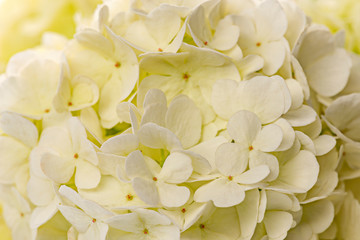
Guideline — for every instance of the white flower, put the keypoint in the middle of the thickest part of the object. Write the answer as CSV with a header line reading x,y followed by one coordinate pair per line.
x,y
32,89
316,218
268,98
347,128
262,33
17,213
210,28
116,70
21,136
191,72
220,222
62,149
160,30
145,224
155,184
89,221
327,66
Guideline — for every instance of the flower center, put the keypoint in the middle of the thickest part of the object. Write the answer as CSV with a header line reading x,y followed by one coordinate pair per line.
x,y
251,148
186,76
94,220
155,179
258,44
70,104
76,156
206,43
183,210
117,64
146,231
230,178
160,49
47,110
129,197
201,226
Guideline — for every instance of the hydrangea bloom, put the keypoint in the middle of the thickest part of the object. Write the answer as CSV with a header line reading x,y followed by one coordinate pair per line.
x,y
162,119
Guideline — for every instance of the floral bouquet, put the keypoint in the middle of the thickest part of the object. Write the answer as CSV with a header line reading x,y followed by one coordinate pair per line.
x,y
192,119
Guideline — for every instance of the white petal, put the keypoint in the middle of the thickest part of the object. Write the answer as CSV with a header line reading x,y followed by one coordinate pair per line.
x,y
155,113
319,215
273,54
329,75
277,223
207,149
261,95
40,190
177,168
76,217
151,217
324,144
222,192
184,119
247,212
146,190
171,195
301,116
253,175
135,165
269,138
243,127
154,136
231,159
128,222
297,94
344,115
121,145
20,128
87,175
258,158
300,173
96,231
56,168
289,134
270,20
13,155
41,215
166,232
222,98
226,35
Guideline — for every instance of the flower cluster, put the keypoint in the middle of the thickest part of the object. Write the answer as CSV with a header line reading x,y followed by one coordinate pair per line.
x,y
161,119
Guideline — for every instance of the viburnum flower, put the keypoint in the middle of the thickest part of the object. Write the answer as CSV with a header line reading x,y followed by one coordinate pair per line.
x,y
162,119
67,148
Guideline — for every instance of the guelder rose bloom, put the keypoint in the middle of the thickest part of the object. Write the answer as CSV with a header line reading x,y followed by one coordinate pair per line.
x,y
162,119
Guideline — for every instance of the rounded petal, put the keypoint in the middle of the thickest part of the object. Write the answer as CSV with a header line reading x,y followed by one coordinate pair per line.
x,y
146,190
301,116
343,113
253,175
184,119
231,159
222,192
299,174
171,195
177,168
56,168
121,145
154,136
324,144
258,158
86,175
243,127
269,138
20,128
277,223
